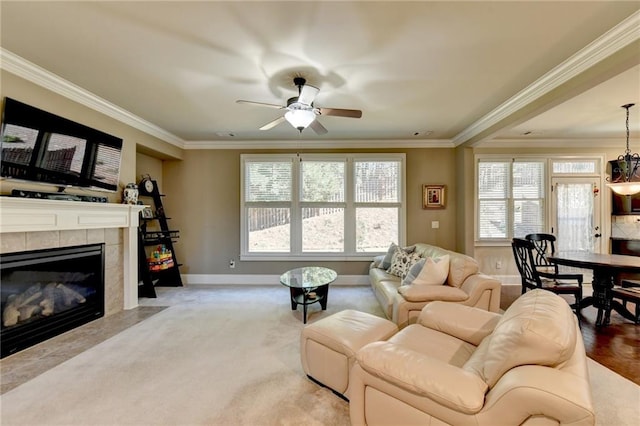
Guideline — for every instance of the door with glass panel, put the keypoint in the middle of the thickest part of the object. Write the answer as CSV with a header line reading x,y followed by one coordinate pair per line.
x,y
575,216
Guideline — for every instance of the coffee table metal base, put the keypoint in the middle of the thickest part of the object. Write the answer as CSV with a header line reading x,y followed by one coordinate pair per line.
x,y
308,285
308,296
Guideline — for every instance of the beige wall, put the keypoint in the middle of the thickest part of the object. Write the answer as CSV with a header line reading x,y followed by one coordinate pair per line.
x,y
148,165
32,94
203,199
465,203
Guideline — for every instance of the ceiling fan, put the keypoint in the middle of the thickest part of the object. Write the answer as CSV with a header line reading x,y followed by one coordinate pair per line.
x,y
301,113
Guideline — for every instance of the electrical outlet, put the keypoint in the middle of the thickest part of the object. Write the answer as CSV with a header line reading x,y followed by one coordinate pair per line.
x,y
499,264
435,224
232,264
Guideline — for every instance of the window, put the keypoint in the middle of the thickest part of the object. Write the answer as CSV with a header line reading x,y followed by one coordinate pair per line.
x,y
511,198
575,167
267,195
321,206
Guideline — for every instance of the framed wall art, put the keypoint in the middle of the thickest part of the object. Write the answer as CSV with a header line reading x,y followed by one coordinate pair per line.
x,y
433,196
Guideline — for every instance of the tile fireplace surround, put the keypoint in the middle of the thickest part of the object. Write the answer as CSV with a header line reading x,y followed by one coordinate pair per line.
x,y
30,224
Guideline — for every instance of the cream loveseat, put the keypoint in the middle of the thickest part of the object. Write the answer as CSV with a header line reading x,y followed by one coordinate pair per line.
x,y
465,366
463,284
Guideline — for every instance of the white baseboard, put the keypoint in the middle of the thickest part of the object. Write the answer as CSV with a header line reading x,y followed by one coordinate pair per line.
x,y
508,279
515,279
253,279
232,279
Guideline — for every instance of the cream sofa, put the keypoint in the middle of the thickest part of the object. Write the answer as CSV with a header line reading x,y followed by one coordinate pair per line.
x,y
465,366
464,285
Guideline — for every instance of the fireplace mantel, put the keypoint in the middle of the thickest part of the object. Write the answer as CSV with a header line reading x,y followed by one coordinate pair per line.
x,y
33,215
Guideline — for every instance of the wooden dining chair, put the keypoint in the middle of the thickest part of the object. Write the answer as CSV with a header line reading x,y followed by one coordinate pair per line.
x,y
544,245
532,277
627,293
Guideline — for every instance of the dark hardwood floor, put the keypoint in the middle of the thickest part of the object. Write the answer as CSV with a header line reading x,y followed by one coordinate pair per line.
x,y
616,346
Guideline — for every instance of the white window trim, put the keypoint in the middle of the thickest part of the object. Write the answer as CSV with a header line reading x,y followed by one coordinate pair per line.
x,y
599,159
349,159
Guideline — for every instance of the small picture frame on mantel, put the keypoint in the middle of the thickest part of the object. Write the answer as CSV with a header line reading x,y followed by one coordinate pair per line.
x,y
433,196
147,213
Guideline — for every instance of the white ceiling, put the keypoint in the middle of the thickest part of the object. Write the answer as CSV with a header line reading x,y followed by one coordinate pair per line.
x,y
452,72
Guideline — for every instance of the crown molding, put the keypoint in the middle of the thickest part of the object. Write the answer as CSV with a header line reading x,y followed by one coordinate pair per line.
x,y
319,144
19,66
578,143
620,36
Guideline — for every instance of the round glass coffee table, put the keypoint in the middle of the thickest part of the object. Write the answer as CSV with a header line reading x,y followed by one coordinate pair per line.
x,y
307,285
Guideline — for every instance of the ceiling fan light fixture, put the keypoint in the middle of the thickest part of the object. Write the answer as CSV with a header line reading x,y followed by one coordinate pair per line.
x,y
627,166
301,112
300,118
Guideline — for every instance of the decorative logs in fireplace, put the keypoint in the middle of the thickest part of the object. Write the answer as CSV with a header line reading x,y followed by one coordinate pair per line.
x,y
39,299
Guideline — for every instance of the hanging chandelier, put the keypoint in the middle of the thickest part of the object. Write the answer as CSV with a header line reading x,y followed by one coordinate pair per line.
x,y
626,168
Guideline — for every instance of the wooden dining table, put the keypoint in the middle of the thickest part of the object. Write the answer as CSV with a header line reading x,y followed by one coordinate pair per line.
x,y
606,268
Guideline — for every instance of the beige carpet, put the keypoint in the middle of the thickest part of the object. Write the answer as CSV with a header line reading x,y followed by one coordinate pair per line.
x,y
220,356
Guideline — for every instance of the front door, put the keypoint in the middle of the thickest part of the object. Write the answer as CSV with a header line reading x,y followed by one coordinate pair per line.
x,y
575,218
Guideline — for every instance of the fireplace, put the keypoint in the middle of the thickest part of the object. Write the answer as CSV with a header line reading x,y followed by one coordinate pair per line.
x,y
47,292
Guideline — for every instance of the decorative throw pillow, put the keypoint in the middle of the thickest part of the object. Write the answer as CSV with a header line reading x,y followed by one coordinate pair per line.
x,y
377,261
386,261
428,271
401,262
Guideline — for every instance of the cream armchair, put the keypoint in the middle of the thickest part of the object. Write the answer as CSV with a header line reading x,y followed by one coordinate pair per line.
x,y
461,365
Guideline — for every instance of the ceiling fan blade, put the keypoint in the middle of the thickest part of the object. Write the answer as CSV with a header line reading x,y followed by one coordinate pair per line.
x,y
307,94
339,112
240,101
318,127
272,124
